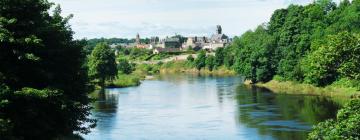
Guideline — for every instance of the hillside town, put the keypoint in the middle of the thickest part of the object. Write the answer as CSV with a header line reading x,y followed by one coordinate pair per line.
x,y
179,43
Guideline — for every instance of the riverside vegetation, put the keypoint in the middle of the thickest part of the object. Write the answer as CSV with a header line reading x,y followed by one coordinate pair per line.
x,y
46,75
317,45
43,74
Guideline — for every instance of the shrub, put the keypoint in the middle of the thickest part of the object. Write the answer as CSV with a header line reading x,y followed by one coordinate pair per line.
x,y
345,127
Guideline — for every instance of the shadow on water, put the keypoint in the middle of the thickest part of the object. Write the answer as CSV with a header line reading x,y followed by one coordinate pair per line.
x,y
282,116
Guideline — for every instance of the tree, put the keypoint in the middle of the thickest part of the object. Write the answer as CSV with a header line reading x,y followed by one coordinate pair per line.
x,y
124,66
338,58
210,62
230,54
219,57
200,60
254,56
43,78
102,63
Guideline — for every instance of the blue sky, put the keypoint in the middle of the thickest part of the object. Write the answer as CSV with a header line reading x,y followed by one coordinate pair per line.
x,y
126,18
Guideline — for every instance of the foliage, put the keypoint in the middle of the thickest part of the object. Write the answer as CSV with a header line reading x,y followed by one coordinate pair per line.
x,y
200,60
124,66
43,91
346,83
254,57
338,57
315,43
210,62
346,126
102,63
229,55
219,57
125,80
190,58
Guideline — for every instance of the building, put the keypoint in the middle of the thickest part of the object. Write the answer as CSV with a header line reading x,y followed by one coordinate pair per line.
x,y
195,42
166,50
219,39
171,43
137,39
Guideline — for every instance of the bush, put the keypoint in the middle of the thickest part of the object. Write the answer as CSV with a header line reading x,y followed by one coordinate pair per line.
x,y
190,58
125,67
200,61
347,83
345,127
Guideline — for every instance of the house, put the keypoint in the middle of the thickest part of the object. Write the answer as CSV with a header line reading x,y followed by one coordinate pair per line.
x,y
195,42
142,46
166,50
171,43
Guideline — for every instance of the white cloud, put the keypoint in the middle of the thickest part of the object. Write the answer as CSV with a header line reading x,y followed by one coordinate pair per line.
x,y
125,18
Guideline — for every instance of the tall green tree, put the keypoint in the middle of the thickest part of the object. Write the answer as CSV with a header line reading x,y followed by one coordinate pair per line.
x,y
43,79
254,56
219,57
102,64
210,62
200,61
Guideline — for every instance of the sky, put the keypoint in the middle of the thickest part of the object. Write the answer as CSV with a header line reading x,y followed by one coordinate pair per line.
x,y
126,18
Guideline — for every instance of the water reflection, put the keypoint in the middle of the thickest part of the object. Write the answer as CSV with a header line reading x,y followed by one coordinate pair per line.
x,y
107,102
282,116
204,107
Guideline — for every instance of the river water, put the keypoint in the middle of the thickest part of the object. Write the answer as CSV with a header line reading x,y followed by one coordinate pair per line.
x,y
188,107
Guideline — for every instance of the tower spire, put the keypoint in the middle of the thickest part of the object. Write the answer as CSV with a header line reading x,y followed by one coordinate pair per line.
x,y
219,29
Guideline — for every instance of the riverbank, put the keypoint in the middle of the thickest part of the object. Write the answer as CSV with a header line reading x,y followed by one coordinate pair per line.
x,y
124,80
134,79
307,89
185,67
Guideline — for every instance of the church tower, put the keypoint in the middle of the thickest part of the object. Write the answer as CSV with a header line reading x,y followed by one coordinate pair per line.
x,y
137,40
219,29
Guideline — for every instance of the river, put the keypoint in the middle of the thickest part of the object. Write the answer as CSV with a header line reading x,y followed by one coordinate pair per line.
x,y
189,107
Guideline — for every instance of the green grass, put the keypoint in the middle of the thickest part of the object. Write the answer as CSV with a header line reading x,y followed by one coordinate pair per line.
x,y
185,67
124,80
288,87
135,78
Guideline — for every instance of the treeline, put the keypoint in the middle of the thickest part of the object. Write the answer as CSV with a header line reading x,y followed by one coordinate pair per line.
x,y
43,75
316,44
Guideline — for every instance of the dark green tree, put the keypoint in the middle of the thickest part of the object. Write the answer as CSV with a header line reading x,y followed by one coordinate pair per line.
x,y
210,62
125,67
200,60
102,64
43,78
254,56
219,57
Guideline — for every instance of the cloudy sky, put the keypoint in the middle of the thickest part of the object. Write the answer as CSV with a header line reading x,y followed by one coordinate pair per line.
x,y
126,18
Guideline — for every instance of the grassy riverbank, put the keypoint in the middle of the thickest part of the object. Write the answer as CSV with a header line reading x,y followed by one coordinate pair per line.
x,y
288,87
124,80
185,67
141,71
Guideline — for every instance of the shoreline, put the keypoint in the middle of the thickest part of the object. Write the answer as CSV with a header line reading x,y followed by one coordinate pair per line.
x,y
289,87
216,72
